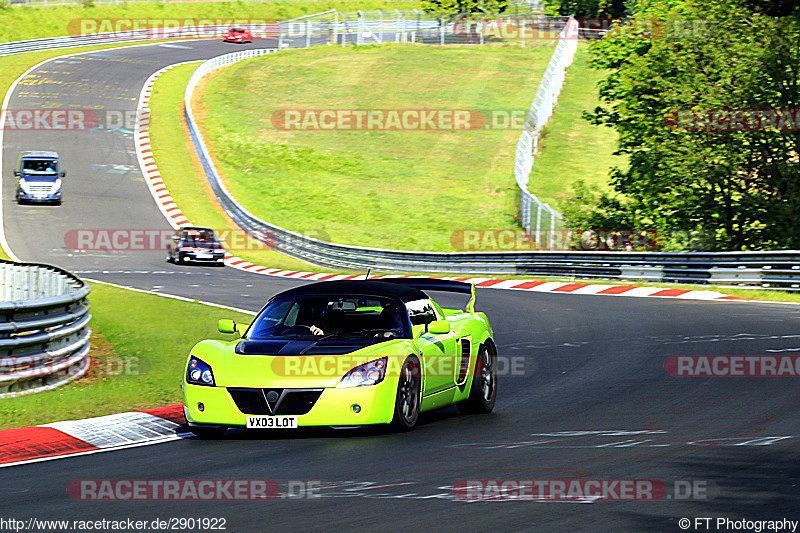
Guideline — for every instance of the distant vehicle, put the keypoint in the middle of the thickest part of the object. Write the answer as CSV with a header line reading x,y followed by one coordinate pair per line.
x,y
195,243
238,35
39,177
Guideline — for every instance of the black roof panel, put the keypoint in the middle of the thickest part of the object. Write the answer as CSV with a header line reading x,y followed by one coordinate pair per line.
x,y
366,287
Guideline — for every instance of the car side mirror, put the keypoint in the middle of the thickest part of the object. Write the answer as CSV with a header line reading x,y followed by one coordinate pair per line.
x,y
63,174
226,326
16,172
221,239
176,238
439,327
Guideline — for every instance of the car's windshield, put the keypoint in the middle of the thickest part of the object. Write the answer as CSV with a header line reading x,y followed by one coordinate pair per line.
x,y
39,166
199,235
317,317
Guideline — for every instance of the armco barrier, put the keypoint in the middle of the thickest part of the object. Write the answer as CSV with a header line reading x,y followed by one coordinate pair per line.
x,y
44,328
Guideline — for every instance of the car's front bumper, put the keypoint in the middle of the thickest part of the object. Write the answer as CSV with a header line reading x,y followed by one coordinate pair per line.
x,y
333,408
34,197
204,257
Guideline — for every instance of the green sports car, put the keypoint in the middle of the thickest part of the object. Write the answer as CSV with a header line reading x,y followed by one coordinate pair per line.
x,y
344,353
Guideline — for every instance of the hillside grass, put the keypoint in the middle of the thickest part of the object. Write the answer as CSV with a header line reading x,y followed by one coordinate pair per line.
x,y
401,189
572,148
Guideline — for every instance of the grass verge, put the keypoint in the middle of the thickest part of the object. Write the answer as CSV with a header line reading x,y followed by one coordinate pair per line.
x,y
402,189
137,359
25,22
572,148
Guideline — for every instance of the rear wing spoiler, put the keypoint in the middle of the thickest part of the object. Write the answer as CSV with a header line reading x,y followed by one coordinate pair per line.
x,y
444,285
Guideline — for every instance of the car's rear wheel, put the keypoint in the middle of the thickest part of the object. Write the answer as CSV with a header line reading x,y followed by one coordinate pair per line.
x,y
208,432
406,405
483,392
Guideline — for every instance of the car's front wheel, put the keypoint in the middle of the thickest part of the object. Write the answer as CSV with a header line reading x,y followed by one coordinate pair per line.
x,y
406,405
483,393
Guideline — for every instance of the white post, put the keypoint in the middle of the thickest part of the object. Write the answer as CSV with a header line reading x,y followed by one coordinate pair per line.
x,y
397,26
483,28
344,30
308,33
441,37
522,31
380,25
538,223
360,37
414,33
552,234
335,27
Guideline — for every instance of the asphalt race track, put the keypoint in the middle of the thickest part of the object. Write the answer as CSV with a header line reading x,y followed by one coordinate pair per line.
x,y
588,397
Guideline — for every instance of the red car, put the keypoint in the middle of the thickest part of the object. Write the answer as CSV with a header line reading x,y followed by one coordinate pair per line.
x,y
238,35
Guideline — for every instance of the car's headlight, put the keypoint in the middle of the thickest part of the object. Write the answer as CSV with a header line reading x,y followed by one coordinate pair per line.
x,y
57,185
24,186
199,373
370,373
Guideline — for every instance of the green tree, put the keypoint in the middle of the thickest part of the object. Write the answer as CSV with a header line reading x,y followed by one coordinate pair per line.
x,y
466,6
594,8
693,61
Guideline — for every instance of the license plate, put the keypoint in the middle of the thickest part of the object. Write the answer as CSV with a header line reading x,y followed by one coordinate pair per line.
x,y
203,256
272,422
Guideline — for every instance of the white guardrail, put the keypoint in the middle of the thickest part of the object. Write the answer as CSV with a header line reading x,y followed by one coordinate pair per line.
x,y
44,328
540,112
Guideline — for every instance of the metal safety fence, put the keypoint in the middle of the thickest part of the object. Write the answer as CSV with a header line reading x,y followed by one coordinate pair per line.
x,y
44,328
